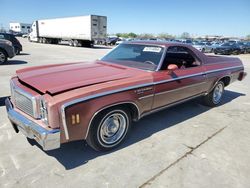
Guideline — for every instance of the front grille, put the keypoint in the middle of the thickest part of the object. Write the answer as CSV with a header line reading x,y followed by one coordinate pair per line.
x,y
23,103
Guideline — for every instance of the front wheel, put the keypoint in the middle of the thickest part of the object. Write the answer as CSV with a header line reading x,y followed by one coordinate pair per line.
x,y
214,97
3,57
109,129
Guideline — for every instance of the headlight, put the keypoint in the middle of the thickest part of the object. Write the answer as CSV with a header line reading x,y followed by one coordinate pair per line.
x,y
43,111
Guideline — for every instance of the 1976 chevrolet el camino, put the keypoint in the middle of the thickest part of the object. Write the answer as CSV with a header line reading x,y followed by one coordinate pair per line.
x,y
97,101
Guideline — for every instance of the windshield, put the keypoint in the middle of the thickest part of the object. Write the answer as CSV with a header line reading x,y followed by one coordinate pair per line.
x,y
146,57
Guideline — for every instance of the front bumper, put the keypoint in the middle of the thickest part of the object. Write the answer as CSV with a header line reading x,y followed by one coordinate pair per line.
x,y
48,140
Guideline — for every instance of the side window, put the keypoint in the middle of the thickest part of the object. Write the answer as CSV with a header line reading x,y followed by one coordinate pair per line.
x,y
1,36
181,56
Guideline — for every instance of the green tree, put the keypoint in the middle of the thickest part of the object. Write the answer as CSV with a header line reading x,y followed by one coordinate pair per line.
x,y
146,36
248,37
165,36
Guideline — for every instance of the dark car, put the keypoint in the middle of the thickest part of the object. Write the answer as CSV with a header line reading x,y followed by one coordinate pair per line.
x,y
111,40
228,49
6,50
10,37
247,47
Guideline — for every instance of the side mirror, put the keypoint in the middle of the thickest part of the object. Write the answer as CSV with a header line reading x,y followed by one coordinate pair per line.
x,y
172,67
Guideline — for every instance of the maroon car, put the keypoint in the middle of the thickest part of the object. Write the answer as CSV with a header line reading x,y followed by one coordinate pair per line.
x,y
98,101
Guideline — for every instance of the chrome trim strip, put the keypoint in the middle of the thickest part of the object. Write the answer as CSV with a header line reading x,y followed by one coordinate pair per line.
x,y
67,104
162,58
223,69
138,110
170,105
146,96
177,89
64,122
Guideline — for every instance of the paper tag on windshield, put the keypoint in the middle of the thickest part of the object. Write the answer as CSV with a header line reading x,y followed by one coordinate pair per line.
x,y
152,49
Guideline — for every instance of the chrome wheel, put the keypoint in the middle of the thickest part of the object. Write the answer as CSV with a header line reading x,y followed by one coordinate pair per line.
x,y
217,94
113,128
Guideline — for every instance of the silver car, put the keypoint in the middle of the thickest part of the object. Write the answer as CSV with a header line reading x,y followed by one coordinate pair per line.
x,y
6,50
204,47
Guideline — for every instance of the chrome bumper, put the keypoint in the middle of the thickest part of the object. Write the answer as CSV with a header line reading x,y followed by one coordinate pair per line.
x,y
47,139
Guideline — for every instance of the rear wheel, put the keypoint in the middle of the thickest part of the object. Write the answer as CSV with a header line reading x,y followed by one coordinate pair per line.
x,y
3,57
109,128
214,97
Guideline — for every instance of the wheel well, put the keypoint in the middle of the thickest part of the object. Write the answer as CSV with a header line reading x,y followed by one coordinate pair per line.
x,y
226,80
132,108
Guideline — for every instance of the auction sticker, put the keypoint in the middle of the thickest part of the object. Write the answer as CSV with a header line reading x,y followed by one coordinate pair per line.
x,y
152,49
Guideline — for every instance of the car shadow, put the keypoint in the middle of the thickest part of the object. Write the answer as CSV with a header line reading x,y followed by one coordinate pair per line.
x,y
74,154
23,54
14,62
2,100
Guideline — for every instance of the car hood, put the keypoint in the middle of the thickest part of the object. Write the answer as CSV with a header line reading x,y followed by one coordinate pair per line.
x,y
54,79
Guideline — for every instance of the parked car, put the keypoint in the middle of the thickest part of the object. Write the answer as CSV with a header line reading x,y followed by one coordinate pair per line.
x,y
17,45
6,50
26,35
247,47
228,49
111,41
98,102
203,47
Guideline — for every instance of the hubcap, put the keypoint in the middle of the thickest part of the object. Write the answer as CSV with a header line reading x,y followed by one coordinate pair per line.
x,y
113,128
218,91
2,57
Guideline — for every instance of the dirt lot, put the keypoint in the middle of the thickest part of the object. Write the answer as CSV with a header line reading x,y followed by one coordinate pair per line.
x,y
189,145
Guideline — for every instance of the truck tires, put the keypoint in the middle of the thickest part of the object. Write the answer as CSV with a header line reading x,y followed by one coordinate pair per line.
x,y
109,128
214,97
3,57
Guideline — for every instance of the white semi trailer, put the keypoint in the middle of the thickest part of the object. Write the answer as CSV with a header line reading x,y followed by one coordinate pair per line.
x,y
78,31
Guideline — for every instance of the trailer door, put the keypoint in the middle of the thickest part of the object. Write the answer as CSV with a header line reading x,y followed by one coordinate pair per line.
x,y
98,27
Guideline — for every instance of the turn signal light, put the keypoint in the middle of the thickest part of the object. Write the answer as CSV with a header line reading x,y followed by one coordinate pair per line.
x,y
75,119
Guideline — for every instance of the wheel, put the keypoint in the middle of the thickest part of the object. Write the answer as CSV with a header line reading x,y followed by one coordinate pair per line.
x,y
40,40
17,51
203,50
212,50
75,43
109,128
214,97
3,57
71,42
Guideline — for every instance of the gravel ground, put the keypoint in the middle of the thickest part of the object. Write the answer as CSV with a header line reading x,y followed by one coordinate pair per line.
x,y
189,145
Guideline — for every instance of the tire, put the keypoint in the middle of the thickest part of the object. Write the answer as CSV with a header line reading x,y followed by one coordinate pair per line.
x,y
3,57
17,51
203,50
109,128
213,98
75,43
70,42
